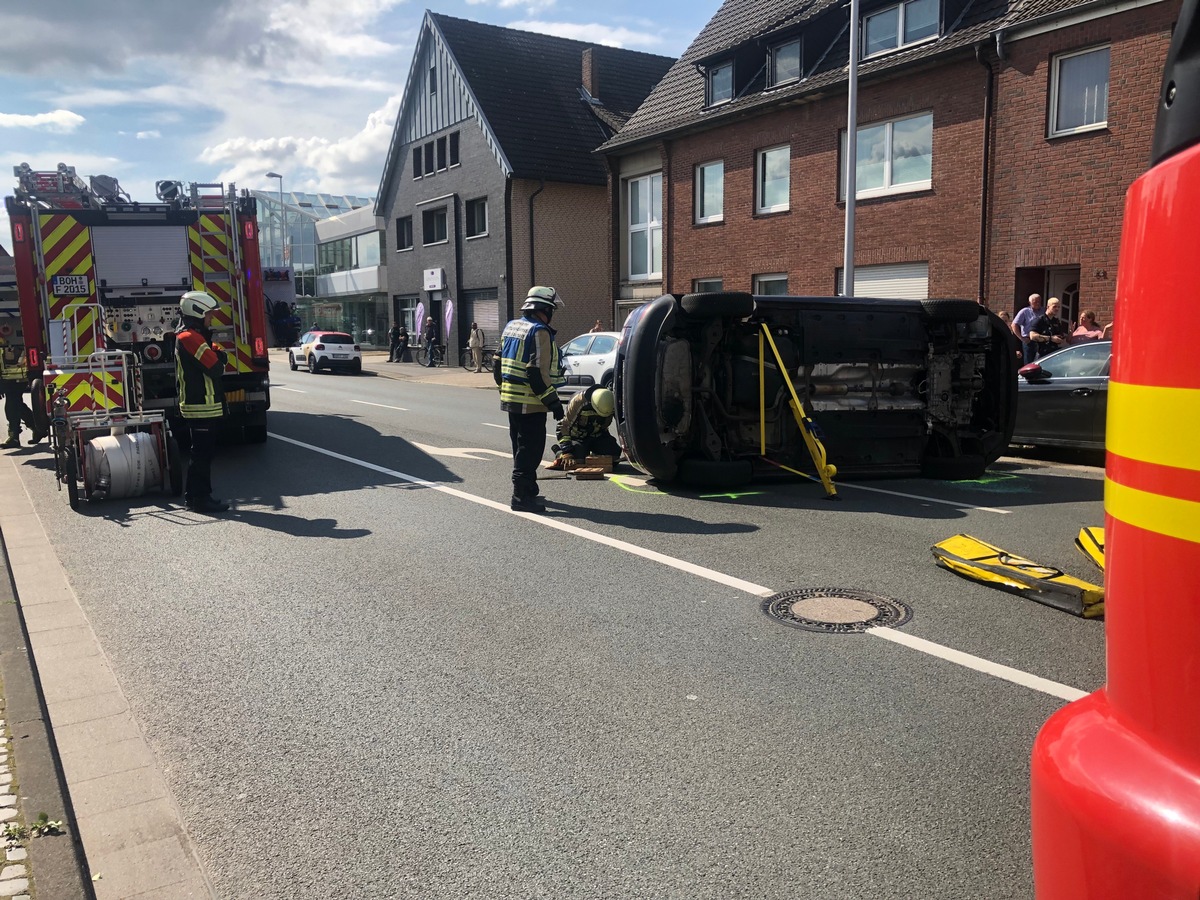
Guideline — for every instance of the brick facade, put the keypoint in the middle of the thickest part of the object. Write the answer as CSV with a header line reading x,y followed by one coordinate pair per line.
x,y
1059,201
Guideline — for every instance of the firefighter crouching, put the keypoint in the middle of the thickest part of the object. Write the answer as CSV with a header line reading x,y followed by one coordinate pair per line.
x,y
583,431
14,379
198,369
528,371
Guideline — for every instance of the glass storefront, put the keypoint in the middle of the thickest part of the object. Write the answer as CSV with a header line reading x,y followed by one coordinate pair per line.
x,y
363,316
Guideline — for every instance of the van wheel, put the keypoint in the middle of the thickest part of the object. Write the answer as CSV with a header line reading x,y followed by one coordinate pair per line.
x,y
715,473
719,305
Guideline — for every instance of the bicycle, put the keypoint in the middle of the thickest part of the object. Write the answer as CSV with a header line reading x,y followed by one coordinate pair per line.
x,y
439,355
468,361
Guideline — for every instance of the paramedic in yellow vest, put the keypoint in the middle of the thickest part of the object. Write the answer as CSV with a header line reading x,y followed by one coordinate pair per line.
x,y
583,431
198,368
528,373
14,380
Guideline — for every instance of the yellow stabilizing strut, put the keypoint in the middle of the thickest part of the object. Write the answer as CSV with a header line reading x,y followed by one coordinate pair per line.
x,y
825,471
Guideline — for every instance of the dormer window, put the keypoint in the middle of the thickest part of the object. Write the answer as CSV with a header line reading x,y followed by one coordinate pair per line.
x,y
720,84
785,63
898,26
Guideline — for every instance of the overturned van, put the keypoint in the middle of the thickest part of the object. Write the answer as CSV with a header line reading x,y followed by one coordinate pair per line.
x,y
893,387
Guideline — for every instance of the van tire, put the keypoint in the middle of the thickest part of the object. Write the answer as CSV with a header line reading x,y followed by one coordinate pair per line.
x,y
719,305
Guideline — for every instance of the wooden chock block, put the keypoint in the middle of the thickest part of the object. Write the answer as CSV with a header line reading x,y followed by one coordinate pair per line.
x,y
589,473
601,462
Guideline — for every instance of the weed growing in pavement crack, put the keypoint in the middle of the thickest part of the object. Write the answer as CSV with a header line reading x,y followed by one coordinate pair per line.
x,y
45,825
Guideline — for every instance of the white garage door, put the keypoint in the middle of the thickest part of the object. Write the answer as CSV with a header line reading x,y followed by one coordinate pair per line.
x,y
483,307
902,281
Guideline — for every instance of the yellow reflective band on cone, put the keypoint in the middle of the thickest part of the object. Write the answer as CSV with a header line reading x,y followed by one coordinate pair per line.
x,y
1153,512
1143,424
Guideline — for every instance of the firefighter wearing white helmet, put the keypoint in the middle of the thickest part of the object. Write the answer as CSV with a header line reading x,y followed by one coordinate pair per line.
x,y
528,372
583,431
199,365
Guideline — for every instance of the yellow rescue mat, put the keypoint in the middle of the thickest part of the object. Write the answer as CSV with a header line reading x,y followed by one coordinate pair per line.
x,y
979,561
1091,544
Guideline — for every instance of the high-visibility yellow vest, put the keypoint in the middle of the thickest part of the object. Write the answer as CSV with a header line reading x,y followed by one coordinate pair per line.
x,y
516,355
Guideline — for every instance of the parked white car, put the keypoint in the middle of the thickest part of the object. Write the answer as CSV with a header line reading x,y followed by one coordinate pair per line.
x,y
589,359
332,350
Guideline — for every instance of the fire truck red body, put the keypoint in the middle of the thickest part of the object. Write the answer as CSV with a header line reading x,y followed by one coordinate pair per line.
x,y
98,272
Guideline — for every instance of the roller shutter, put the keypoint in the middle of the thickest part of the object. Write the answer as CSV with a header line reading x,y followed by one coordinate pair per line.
x,y
126,254
483,307
901,281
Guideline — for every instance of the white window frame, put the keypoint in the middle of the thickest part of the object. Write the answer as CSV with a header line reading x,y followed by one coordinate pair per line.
x,y
775,82
708,84
888,188
484,231
899,9
649,227
770,278
760,171
700,181
1055,81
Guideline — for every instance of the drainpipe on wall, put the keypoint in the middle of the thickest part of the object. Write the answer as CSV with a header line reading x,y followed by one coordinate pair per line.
x,y
532,252
986,177
668,216
507,276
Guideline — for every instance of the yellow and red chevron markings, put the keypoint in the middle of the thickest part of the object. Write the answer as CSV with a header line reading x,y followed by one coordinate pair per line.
x,y
67,250
97,390
211,257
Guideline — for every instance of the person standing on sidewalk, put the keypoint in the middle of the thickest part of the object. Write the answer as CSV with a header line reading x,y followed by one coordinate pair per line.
x,y
430,336
198,370
528,372
394,343
475,342
14,379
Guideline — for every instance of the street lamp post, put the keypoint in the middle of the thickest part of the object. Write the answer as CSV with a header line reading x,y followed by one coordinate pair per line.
x,y
282,216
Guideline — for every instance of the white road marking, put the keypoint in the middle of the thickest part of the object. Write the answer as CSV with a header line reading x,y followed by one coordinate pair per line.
x,y
1016,676
382,405
459,452
975,663
954,503
293,390
491,425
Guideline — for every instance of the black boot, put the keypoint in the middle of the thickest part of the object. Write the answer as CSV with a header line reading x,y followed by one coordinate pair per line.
x,y
14,441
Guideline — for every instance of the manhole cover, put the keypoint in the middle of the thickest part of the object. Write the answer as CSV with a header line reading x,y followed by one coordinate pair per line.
x,y
835,610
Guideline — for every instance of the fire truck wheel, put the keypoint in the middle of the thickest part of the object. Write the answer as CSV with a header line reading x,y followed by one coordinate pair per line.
x,y
37,400
72,474
292,362
174,467
254,434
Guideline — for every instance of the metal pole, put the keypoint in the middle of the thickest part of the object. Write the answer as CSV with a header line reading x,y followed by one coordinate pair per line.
x,y
282,226
851,155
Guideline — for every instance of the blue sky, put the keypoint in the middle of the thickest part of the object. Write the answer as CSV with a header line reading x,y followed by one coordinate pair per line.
x,y
227,90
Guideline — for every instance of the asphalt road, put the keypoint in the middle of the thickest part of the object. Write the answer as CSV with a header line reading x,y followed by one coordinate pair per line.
x,y
374,680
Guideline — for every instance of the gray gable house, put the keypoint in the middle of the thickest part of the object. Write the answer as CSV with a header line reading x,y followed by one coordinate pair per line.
x,y
995,142
491,184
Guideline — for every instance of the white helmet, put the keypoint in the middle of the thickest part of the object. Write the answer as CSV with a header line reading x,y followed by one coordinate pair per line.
x,y
195,304
542,299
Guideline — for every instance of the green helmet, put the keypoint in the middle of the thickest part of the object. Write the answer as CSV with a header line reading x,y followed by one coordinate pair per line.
x,y
542,299
603,401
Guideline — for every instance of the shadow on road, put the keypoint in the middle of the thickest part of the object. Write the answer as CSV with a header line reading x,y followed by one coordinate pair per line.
x,y
666,523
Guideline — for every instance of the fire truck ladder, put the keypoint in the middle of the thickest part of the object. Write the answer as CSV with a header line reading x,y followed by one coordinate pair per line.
x,y
216,266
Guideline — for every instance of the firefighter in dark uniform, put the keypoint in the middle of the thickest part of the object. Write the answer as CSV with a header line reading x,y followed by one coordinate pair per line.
x,y
198,368
583,431
528,371
14,379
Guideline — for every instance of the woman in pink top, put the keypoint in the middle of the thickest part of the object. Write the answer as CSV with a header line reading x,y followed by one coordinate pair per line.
x,y
1089,330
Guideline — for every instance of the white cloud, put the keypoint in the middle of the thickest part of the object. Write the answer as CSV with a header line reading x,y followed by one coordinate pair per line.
x,y
148,135
605,35
351,164
531,5
59,121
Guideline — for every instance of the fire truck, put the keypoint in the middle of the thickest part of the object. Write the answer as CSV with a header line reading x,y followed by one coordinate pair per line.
x,y
100,275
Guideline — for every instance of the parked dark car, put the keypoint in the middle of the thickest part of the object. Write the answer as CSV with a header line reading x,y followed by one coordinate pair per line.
x,y
1062,399
895,387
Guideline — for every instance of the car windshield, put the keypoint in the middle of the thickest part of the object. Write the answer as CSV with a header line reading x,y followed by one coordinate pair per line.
x,y
336,339
577,346
603,344
1087,360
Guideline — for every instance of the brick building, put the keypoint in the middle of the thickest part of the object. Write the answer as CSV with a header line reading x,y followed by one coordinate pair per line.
x,y
995,142
491,184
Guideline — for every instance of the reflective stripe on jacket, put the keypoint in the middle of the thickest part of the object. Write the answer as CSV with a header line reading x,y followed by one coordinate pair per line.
x,y
581,421
198,369
528,343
